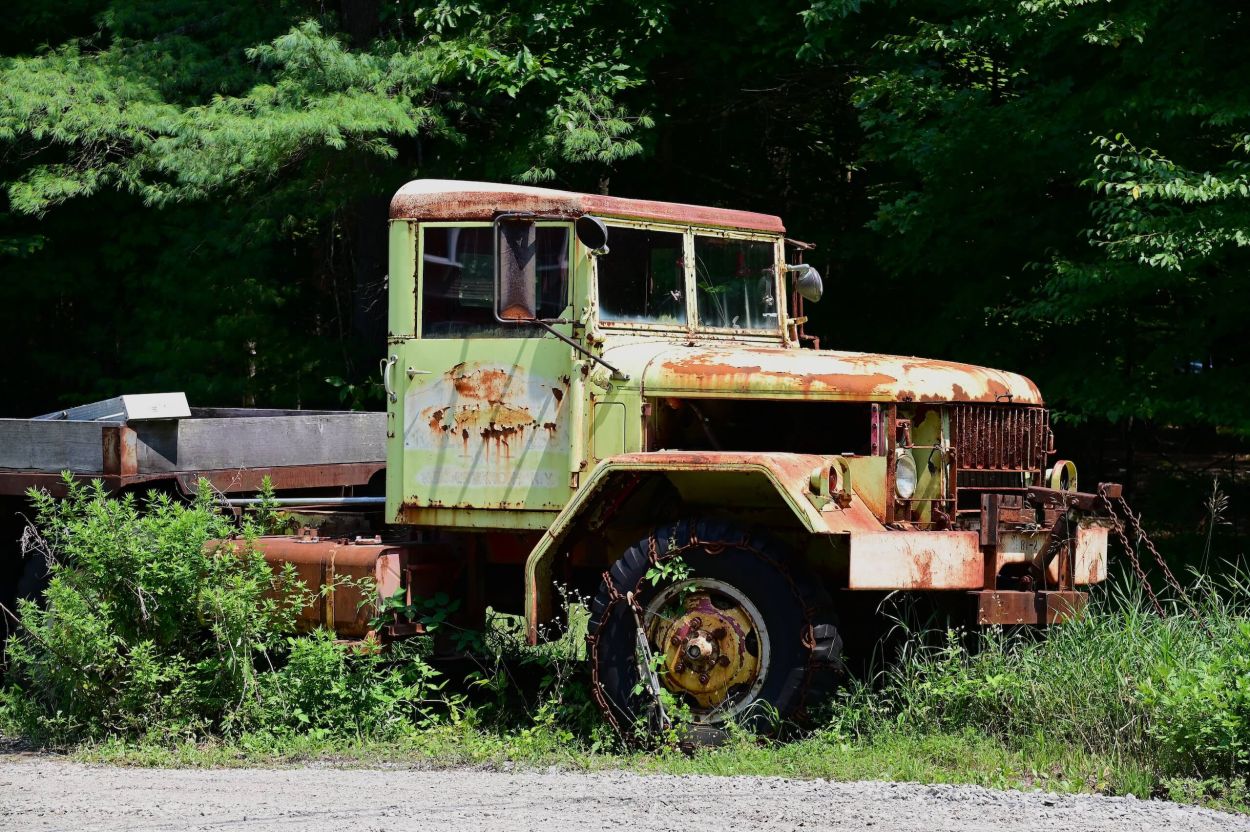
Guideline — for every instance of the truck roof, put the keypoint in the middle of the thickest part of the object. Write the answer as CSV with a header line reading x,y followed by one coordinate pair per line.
x,y
452,199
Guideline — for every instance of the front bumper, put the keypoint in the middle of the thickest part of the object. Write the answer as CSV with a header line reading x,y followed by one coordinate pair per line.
x,y
1005,606
1024,561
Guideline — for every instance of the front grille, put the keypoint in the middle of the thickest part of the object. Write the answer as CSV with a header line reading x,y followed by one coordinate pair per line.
x,y
998,447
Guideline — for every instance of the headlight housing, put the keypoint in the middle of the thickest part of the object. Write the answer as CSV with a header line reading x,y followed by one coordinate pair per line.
x,y
905,475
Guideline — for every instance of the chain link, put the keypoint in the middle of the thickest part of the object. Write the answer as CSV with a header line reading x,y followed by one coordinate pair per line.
x,y
1135,526
1129,549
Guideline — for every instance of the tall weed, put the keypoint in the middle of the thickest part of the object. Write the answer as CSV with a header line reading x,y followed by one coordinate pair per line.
x,y
1171,691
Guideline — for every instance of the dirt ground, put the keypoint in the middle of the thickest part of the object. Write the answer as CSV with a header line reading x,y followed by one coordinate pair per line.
x,y
42,793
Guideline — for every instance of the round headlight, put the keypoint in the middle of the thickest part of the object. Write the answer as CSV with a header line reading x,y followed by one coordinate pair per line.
x,y
905,475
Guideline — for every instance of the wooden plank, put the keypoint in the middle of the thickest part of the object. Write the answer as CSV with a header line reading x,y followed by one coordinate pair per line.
x,y
29,444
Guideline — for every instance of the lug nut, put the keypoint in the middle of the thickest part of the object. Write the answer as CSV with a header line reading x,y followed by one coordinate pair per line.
x,y
681,667
703,678
696,622
674,641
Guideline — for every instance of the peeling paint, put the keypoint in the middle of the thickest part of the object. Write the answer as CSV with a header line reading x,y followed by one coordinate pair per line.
x,y
818,375
445,199
484,434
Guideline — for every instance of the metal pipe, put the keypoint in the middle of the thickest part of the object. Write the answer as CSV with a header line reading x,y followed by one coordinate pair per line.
x,y
305,501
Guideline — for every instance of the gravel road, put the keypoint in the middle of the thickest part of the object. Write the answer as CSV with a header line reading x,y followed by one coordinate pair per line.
x,y
38,793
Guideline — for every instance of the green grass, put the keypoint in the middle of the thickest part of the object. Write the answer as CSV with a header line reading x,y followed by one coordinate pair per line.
x,y
895,756
957,758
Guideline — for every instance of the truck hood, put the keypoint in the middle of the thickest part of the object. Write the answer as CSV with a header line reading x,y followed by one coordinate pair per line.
x,y
667,369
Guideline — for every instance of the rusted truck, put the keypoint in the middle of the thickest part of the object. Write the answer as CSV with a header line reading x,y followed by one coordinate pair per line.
x,y
618,396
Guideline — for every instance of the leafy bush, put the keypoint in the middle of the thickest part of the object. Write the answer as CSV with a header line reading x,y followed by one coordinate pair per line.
x,y
162,622
1202,723
325,687
147,624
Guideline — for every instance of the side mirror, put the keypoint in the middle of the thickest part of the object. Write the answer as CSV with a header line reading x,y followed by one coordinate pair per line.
x,y
592,233
516,269
808,283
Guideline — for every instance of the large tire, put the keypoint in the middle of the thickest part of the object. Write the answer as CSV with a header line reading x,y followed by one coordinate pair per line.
x,y
743,670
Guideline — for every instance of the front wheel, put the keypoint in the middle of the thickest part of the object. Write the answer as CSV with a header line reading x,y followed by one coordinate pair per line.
x,y
722,620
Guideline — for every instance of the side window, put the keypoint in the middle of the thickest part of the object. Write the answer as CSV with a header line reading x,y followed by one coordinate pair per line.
x,y
458,281
642,278
736,283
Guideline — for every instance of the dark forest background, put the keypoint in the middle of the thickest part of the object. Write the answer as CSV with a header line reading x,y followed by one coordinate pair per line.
x,y
194,193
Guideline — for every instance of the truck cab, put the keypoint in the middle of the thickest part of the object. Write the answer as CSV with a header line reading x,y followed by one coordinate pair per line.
x,y
582,389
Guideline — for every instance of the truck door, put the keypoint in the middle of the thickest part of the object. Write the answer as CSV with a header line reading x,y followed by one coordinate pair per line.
x,y
479,420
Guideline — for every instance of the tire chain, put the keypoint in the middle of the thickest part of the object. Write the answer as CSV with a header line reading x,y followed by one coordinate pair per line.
x,y
819,639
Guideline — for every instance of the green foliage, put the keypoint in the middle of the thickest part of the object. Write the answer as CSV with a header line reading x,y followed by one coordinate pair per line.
x,y
545,689
162,623
153,621
1119,682
670,569
326,688
1203,723
1073,176
239,156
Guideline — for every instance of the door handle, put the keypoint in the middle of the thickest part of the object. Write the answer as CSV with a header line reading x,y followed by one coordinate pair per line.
x,y
385,366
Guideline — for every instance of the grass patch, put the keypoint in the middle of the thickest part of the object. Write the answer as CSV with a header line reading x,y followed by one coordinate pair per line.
x,y
894,755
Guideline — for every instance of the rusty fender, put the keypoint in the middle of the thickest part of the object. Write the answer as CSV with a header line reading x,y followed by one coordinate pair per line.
x,y
814,487
817,490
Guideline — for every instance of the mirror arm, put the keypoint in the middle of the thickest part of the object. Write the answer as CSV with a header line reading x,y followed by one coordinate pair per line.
x,y
616,374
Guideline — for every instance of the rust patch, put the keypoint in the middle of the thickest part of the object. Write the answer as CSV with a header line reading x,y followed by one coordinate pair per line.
x,y
819,374
502,415
702,374
487,385
445,199
500,436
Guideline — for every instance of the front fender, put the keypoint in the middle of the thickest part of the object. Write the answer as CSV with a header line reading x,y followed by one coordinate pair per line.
x,y
797,479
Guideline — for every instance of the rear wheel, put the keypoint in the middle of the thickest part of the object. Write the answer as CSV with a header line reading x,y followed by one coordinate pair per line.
x,y
722,620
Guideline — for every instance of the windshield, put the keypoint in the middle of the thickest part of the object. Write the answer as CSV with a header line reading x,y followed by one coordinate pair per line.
x,y
736,283
642,277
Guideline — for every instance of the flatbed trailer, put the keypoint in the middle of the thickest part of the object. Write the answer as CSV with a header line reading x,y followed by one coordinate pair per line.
x,y
138,443
233,448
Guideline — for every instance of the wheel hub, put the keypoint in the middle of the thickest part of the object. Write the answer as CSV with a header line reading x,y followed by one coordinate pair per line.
x,y
711,646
